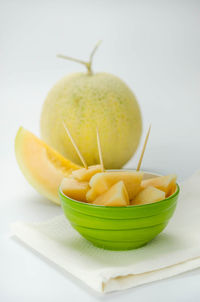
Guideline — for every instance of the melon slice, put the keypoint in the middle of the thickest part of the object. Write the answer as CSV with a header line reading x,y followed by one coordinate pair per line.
x,y
165,183
148,195
75,189
43,167
86,174
116,196
101,182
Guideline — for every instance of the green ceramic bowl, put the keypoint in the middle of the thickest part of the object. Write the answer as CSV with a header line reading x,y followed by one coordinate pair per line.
x,y
119,228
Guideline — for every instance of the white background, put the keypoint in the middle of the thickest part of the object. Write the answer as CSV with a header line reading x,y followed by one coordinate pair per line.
x,y
154,47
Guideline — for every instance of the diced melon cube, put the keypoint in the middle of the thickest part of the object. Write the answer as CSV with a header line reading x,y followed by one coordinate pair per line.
x,y
148,195
173,190
116,196
91,195
75,189
84,174
165,183
101,182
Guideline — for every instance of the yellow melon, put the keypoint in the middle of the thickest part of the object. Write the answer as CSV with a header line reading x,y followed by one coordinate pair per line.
x,y
85,174
101,182
148,195
88,100
165,183
75,189
43,167
116,196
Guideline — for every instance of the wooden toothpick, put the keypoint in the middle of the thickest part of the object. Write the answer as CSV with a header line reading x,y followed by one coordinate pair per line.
x,y
143,149
75,147
100,151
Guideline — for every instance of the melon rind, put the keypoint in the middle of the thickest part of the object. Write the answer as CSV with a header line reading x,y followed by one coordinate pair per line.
x,y
43,167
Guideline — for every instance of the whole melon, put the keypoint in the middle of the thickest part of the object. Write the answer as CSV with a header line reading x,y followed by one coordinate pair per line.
x,y
84,102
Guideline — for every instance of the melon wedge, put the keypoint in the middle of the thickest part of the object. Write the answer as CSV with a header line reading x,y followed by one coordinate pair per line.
x,y
101,182
165,183
43,167
75,189
148,195
116,196
86,174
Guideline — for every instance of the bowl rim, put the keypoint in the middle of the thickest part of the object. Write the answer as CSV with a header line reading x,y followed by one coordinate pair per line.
x,y
60,193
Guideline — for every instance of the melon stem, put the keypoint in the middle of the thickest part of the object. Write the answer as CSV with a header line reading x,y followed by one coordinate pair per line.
x,y
88,64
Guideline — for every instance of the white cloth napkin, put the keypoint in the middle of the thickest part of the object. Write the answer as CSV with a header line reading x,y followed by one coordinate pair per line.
x,y
174,251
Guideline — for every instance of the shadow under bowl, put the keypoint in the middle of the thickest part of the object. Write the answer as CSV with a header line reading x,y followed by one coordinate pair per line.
x,y
119,228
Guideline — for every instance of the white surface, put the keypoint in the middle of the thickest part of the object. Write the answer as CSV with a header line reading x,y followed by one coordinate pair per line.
x,y
175,251
152,45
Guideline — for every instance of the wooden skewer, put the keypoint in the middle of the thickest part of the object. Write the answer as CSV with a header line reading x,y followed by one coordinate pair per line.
x,y
143,149
100,151
75,147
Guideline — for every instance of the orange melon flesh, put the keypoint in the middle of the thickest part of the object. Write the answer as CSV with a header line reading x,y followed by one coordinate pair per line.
x,y
86,174
101,182
43,167
165,183
148,195
116,196
75,189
